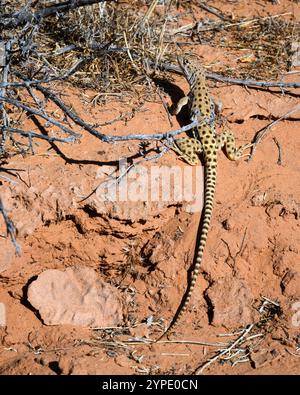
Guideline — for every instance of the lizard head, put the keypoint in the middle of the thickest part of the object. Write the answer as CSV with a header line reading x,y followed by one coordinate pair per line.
x,y
189,69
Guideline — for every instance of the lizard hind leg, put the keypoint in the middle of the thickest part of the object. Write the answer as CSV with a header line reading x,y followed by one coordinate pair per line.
x,y
188,149
227,140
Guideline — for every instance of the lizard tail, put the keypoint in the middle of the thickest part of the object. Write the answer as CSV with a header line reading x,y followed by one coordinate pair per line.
x,y
210,186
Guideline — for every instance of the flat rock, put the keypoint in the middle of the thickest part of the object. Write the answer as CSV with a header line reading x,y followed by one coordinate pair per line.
x,y
76,296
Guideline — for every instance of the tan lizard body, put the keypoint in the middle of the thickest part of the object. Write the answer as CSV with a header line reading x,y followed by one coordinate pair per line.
x,y
207,142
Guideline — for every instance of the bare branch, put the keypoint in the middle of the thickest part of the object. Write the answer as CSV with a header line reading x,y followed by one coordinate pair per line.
x,y
107,138
262,84
31,110
4,64
214,11
235,81
21,17
31,135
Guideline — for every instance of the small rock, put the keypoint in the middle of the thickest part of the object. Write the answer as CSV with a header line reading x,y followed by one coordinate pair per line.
x,y
260,358
228,223
76,297
231,301
259,199
291,284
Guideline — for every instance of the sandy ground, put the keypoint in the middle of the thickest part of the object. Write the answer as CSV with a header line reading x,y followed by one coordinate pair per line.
x,y
145,248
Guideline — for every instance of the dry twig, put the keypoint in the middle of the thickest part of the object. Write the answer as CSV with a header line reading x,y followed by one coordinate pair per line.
x,y
262,133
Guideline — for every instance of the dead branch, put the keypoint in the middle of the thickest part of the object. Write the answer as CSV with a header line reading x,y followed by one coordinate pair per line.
x,y
31,135
229,80
48,79
4,48
41,114
23,16
214,11
262,84
279,160
75,118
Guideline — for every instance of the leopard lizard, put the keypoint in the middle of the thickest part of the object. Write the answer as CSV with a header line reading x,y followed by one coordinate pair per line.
x,y
206,142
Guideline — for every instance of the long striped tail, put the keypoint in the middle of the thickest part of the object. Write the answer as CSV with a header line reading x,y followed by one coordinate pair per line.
x,y
210,186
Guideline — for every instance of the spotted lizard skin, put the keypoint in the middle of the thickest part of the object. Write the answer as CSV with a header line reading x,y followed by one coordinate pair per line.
x,y
206,142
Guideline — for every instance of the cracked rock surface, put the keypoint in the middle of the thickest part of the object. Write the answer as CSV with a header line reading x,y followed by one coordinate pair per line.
x,y
76,296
